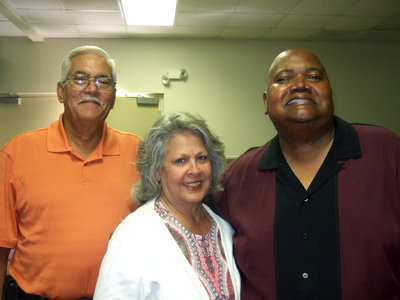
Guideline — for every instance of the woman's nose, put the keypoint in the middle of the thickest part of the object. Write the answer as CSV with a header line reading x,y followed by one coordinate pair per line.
x,y
193,167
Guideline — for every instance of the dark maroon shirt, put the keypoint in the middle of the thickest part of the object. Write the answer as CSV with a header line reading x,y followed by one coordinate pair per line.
x,y
367,200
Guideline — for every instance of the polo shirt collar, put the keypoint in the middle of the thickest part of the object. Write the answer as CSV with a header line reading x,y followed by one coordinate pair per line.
x,y
57,140
345,145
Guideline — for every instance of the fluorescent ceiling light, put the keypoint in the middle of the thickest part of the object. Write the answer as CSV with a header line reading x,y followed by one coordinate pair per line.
x,y
149,12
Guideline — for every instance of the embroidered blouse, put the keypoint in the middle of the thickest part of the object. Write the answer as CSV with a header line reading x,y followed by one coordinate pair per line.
x,y
204,253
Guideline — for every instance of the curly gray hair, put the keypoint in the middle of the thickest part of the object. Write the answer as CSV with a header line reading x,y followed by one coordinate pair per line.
x,y
66,64
152,150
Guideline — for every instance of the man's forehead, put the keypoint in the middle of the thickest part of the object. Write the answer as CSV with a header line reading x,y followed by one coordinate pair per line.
x,y
291,61
297,57
88,61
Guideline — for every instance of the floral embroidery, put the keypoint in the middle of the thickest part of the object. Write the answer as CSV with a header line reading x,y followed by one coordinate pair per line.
x,y
204,253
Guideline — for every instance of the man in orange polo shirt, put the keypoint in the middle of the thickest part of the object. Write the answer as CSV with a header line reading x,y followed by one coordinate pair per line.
x,y
65,187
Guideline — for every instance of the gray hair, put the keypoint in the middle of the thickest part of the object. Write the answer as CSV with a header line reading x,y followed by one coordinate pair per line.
x,y
66,64
152,150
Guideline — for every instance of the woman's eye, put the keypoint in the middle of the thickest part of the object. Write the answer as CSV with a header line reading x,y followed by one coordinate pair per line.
x,y
203,157
179,161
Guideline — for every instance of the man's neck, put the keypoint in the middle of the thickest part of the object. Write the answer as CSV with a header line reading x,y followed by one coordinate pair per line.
x,y
306,150
83,137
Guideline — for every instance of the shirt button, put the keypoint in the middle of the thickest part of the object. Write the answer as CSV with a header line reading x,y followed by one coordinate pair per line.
x,y
304,275
306,200
304,236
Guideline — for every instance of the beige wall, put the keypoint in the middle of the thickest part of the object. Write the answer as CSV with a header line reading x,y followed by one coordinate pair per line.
x,y
38,112
226,78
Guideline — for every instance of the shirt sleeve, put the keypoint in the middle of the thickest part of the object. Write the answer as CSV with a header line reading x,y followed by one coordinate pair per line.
x,y
8,216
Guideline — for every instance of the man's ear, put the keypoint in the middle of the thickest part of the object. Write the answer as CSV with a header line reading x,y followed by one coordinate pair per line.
x,y
265,100
60,92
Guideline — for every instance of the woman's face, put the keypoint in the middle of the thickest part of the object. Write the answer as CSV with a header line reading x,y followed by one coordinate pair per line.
x,y
186,172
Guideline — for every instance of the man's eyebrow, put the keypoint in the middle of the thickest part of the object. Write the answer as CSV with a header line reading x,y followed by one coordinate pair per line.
x,y
80,73
284,71
315,69
86,74
292,70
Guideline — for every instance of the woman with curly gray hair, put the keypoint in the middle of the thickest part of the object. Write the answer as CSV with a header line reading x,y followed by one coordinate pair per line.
x,y
173,246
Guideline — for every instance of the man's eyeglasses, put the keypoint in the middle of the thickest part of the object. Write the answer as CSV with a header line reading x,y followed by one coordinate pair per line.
x,y
80,81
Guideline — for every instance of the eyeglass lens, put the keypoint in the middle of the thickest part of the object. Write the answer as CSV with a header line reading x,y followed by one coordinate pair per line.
x,y
81,81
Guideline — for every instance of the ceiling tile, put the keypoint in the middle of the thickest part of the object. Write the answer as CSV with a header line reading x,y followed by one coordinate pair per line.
x,y
110,5
202,19
105,29
397,38
203,32
267,7
9,29
154,35
354,23
51,30
45,16
379,35
338,35
374,8
392,22
150,29
35,4
247,33
320,7
71,17
101,18
254,20
305,22
333,20
291,34
220,6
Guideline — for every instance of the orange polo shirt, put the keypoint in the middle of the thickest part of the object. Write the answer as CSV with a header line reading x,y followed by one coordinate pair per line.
x,y
58,210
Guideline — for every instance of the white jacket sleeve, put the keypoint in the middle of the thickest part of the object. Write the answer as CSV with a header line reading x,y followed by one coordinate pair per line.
x,y
123,272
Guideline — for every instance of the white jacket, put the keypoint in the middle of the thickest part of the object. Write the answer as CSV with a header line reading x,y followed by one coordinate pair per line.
x,y
143,261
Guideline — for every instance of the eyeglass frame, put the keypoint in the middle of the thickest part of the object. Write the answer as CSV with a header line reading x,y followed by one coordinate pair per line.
x,y
89,78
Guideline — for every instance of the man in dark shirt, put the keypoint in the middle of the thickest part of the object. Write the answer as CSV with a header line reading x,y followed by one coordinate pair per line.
x,y
316,209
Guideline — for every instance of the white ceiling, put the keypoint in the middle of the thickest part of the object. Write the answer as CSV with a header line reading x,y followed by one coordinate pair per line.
x,y
307,20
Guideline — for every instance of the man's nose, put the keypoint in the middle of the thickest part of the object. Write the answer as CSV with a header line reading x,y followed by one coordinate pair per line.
x,y
300,82
92,87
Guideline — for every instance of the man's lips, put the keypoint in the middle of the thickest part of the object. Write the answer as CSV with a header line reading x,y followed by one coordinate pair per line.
x,y
300,101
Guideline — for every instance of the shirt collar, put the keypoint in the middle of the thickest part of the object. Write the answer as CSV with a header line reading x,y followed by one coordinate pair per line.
x,y
345,145
57,140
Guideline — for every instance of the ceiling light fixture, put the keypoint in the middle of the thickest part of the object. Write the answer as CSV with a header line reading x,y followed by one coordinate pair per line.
x,y
149,12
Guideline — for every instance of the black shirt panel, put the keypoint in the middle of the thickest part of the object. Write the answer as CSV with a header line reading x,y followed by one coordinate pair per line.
x,y
307,253
307,240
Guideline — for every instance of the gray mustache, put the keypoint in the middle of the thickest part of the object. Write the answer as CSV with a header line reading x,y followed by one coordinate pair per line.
x,y
93,99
